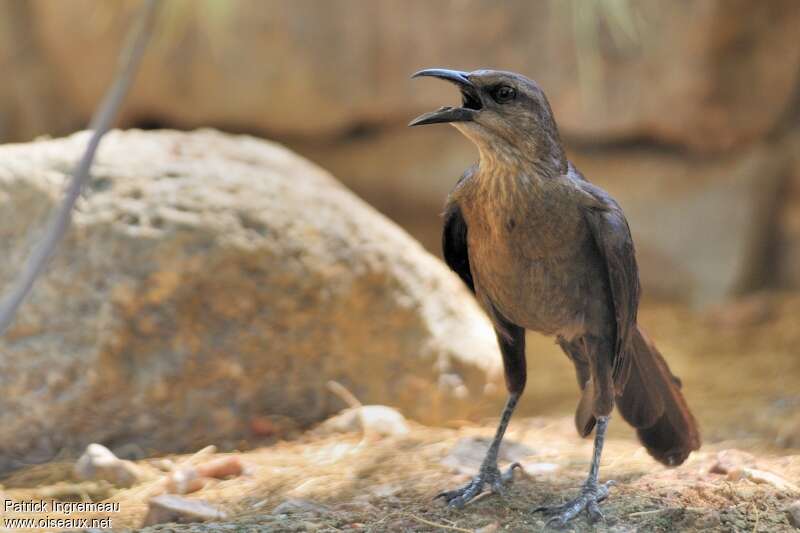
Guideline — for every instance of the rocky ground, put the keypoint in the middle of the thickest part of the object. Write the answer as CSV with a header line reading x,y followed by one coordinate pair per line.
x,y
353,482
741,375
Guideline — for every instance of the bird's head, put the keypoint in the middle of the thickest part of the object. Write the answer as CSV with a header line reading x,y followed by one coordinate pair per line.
x,y
505,114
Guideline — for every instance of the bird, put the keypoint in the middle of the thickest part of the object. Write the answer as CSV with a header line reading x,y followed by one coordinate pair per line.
x,y
544,249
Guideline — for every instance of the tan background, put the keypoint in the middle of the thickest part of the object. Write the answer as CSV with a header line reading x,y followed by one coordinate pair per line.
x,y
686,111
210,284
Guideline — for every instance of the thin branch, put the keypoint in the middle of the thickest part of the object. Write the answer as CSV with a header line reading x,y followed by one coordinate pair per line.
x,y
102,120
345,395
437,525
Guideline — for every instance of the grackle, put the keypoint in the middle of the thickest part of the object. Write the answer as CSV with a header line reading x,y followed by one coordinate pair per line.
x,y
544,249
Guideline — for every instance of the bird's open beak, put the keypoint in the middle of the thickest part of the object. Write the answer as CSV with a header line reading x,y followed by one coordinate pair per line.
x,y
471,100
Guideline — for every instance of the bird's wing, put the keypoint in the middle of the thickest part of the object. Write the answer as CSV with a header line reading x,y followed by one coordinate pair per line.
x,y
612,235
454,244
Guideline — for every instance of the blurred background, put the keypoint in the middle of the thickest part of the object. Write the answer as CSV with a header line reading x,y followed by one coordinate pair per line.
x,y
212,284
687,112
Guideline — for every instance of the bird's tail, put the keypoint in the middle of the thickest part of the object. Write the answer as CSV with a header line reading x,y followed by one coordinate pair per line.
x,y
652,402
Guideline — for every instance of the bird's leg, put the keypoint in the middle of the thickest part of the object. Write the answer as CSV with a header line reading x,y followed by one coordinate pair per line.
x,y
489,474
511,339
592,492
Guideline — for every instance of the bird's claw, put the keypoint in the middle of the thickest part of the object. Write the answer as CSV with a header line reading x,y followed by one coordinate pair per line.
x,y
488,475
588,500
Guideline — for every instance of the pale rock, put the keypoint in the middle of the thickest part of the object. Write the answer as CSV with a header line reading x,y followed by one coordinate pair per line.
x,y
171,508
208,279
99,463
371,419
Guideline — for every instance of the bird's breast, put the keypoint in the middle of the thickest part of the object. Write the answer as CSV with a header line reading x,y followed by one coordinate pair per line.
x,y
529,263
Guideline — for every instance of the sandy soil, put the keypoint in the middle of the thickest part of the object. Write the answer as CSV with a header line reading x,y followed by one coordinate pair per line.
x,y
741,374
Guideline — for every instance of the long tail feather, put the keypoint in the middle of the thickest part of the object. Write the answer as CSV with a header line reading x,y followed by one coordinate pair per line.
x,y
652,402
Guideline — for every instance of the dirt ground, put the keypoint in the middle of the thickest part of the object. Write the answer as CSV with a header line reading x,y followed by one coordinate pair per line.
x,y
741,371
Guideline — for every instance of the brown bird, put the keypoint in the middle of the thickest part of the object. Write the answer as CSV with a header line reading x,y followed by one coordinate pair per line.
x,y
545,250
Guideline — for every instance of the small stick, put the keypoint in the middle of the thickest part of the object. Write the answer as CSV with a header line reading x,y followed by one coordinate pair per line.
x,y
645,513
435,524
350,399
199,454
758,518
345,395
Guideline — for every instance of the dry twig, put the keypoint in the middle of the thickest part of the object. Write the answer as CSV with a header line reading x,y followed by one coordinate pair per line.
x,y
345,395
437,525
101,122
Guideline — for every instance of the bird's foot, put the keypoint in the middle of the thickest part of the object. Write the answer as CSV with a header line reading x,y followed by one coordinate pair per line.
x,y
592,493
488,475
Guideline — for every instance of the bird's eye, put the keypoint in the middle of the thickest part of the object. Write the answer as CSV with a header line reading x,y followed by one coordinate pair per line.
x,y
504,94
